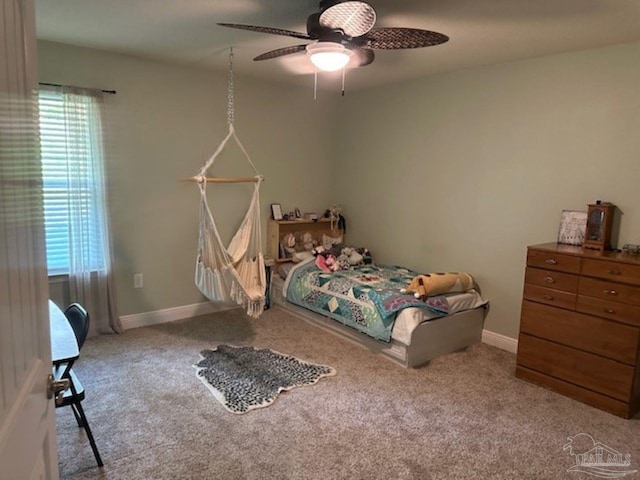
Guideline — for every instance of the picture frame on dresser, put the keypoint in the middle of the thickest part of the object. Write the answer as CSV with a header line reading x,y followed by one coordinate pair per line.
x,y
573,225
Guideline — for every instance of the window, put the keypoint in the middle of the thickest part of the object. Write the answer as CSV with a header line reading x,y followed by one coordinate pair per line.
x,y
73,185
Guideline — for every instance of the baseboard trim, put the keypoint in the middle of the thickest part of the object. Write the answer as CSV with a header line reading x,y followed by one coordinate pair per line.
x,y
156,317
501,341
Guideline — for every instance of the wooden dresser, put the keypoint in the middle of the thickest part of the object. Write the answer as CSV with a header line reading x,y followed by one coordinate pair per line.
x,y
580,326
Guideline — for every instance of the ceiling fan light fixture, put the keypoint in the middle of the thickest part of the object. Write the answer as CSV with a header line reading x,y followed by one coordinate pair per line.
x,y
328,56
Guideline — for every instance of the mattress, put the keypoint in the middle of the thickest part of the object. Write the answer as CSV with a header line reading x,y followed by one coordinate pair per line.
x,y
409,318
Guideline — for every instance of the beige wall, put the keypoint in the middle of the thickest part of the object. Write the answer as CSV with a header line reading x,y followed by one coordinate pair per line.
x,y
453,172
462,171
166,121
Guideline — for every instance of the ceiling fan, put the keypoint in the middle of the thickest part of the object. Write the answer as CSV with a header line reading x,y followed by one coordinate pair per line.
x,y
344,36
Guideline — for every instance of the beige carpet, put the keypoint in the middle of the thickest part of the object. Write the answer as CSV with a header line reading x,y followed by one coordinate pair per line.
x,y
463,415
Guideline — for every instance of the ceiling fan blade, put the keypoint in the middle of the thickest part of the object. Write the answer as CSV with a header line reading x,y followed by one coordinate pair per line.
x,y
353,18
280,52
361,57
398,38
271,30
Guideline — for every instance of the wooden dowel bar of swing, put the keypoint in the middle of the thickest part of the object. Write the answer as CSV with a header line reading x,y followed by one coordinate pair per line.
x,y
223,179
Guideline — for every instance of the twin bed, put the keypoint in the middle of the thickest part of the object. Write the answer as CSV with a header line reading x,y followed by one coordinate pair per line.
x,y
366,304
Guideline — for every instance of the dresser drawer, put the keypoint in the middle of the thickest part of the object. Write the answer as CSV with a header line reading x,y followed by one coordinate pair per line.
x,y
616,271
549,296
551,279
603,402
607,290
580,368
553,261
619,312
592,334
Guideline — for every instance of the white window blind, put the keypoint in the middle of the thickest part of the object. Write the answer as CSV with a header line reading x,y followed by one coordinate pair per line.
x,y
66,142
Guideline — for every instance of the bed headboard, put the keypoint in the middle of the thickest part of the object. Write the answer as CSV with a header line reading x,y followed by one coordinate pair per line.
x,y
278,229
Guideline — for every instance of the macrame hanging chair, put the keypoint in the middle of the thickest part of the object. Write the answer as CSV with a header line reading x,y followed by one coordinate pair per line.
x,y
235,273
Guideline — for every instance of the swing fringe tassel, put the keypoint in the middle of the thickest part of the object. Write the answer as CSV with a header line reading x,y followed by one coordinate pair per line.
x,y
220,285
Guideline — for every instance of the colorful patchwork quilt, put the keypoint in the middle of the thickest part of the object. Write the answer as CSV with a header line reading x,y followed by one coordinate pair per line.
x,y
365,298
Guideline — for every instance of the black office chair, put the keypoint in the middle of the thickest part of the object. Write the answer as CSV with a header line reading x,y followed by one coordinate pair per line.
x,y
79,319
73,396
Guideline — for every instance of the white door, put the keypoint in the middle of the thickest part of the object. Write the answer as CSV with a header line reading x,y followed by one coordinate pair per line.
x,y
27,422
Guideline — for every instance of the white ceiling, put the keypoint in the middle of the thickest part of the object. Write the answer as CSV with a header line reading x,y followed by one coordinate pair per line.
x,y
481,32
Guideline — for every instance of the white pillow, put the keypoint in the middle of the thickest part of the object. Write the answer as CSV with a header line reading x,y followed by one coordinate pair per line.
x,y
300,256
328,242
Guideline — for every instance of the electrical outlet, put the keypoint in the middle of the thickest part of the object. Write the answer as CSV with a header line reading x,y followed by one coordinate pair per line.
x,y
137,280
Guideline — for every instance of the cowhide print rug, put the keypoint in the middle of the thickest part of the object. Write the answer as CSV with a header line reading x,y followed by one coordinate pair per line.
x,y
244,378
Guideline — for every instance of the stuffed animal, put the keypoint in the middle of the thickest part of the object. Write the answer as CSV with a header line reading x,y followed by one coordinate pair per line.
x,y
318,250
343,262
366,255
431,284
353,257
327,264
308,242
289,244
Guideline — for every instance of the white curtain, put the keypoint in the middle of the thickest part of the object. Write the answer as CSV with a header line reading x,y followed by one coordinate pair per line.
x,y
90,268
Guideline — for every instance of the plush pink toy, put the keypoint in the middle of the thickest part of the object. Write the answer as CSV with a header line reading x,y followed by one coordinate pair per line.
x,y
332,263
321,263
327,264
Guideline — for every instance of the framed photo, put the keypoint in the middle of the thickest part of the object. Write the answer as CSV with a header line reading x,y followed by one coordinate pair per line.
x,y
297,212
573,225
276,211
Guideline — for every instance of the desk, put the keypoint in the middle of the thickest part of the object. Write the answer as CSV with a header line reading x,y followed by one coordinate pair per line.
x,y
64,347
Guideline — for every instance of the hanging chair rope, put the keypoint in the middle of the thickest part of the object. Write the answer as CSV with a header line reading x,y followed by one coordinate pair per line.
x,y
230,105
235,273
201,177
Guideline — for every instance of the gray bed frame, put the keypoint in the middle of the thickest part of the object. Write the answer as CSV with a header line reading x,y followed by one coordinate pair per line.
x,y
429,340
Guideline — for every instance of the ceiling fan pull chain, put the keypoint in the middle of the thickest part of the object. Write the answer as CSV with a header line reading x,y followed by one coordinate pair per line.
x,y
344,70
230,109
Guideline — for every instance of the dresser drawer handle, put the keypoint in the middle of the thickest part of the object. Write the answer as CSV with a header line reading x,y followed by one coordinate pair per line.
x,y
549,280
609,310
614,272
551,261
610,292
547,297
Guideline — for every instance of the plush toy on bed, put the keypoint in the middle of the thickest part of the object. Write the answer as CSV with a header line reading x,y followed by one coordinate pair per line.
x,y
367,259
327,263
431,284
343,262
353,257
298,245
308,242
